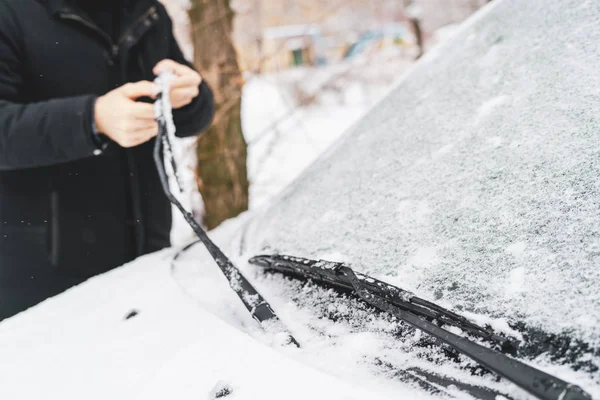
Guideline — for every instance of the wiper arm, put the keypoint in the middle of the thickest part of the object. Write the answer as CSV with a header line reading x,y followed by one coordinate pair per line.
x,y
258,307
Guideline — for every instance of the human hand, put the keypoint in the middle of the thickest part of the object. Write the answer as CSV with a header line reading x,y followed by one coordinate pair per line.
x,y
122,119
185,86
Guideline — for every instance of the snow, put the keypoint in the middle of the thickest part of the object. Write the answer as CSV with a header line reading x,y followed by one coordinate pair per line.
x,y
473,183
414,11
284,137
79,345
532,206
516,281
489,106
190,336
475,179
517,249
291,31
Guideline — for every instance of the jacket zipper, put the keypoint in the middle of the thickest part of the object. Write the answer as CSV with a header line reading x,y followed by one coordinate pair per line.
x,y
144,16
92,26
130,40
54,233
142,65
114,47
138,229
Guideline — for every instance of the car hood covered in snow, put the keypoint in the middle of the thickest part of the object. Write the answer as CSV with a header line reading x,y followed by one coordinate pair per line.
x,y
475,183
147,331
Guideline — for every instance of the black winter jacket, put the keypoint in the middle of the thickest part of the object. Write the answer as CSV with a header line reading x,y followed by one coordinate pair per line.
x,y
69,210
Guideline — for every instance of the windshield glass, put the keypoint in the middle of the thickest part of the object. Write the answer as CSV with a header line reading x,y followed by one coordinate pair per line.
x,y
478,181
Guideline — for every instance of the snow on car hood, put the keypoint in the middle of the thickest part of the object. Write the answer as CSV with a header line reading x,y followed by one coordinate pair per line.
x,y
80,345
475,183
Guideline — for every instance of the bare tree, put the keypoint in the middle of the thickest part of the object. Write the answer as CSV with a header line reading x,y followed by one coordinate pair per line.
x,y
222,151
414,14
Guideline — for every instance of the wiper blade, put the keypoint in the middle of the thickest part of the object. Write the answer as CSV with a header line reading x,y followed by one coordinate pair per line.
x,y
326,272
426,316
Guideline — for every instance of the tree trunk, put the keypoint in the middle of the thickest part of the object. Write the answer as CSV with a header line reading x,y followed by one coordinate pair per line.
x,y
221,172
416,25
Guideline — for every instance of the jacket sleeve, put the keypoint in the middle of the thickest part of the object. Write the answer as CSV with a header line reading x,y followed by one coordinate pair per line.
x,y
198,115
41,133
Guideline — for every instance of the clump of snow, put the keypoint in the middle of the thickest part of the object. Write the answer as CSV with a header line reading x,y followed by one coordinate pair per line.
x,y
339,257
489,106
221,389
414,10
516,281
500,325
517,249
444,150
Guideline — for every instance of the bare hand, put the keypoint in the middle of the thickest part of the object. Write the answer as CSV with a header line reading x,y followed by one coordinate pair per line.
x,y
185,87
125,121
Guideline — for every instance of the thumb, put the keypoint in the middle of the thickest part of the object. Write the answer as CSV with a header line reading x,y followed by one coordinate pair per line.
x,y
136,90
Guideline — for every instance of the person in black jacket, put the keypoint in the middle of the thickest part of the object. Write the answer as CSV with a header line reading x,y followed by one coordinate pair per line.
x,y
79,193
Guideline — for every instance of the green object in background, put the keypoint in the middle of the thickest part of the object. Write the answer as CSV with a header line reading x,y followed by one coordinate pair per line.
x,y
298,57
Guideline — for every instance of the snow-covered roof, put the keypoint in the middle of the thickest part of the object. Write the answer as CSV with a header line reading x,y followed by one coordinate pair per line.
x,y
475,182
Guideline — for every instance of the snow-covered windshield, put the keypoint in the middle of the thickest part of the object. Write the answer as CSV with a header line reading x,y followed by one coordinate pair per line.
x,y
475,183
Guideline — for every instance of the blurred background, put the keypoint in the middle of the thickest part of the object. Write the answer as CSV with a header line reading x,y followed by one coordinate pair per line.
x,y
290,76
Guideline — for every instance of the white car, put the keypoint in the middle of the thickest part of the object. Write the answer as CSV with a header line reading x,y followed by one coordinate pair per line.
x,y
474,184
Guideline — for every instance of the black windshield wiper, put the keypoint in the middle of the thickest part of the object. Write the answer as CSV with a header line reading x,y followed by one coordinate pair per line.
x,y
325,271
429,318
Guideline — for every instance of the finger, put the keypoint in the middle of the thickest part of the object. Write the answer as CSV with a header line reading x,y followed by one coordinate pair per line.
x,y
136,90
139,138
145,134
191,79
171,66
185,94
142,111
143,125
